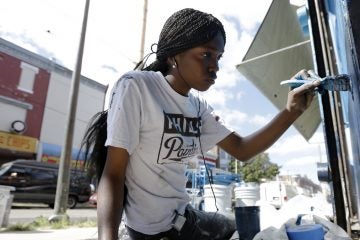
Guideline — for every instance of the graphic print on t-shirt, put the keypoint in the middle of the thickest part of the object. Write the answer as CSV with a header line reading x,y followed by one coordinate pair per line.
x,y
180,139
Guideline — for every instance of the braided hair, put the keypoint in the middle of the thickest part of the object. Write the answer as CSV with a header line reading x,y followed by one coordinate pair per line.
x,y
183,30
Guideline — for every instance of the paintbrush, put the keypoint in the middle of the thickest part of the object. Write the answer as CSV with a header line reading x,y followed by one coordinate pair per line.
x,y
339,82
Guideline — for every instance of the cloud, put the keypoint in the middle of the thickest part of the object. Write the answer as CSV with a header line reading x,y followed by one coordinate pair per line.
x,y
241,121
297,156
227,78
260,120
217,97
111,68
235,22
303,165
296,144
233,118
29,43
302,161
237,43
239,95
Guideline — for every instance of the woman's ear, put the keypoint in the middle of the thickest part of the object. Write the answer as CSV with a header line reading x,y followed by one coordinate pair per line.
x,y
171,61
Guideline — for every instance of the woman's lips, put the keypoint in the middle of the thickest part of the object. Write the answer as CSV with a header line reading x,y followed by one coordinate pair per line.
x,y
211,81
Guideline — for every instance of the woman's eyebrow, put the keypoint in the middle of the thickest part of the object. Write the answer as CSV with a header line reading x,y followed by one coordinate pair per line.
x,y
204,47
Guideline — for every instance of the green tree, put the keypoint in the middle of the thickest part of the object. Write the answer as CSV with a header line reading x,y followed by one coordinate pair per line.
x,y
259,167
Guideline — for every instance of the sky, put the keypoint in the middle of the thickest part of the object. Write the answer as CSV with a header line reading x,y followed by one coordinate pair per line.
x,y
112,47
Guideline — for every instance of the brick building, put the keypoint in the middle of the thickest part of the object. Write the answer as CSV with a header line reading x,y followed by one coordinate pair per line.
x,y
34,99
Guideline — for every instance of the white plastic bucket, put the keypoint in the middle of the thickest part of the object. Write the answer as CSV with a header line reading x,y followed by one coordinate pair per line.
x,y
247,195
6,199
223,195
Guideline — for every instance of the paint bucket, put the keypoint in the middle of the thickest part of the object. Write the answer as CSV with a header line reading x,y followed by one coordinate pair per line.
x,y
223,195
247,221
306,231
247,195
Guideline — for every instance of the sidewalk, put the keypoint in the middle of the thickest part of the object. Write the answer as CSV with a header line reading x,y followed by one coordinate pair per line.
x,y
71,233
24,215
53,234
64,234
61,234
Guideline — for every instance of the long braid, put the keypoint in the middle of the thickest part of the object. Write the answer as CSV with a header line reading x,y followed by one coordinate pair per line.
x,y
93,144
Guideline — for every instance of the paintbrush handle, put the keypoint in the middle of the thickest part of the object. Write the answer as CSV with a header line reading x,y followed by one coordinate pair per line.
x,y
331,83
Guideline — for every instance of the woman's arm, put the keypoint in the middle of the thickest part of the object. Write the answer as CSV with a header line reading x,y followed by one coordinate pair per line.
x,y
244,148
111,193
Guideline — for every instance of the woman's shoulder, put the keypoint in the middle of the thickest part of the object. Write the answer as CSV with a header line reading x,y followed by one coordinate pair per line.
x,y
140,75
138,78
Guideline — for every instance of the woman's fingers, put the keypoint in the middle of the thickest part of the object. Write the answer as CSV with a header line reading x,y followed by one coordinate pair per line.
x,y
308,87
309,98
300,98
302,74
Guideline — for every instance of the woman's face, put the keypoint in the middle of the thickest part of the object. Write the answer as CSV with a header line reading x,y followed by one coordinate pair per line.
x,y
197,67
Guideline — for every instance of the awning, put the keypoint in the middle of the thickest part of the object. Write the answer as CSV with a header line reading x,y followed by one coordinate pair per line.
x,y
18,143
278,51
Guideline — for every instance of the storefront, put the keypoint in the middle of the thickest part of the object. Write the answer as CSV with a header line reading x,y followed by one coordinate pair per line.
x,y
51,153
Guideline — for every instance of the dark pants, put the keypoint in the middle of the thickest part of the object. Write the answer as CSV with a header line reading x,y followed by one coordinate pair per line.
x,y
199,225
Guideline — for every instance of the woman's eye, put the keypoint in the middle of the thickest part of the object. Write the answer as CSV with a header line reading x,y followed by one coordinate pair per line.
x,y
210,55
207,54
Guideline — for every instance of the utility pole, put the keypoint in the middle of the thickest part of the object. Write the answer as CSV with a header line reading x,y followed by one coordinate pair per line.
x,y
63,183
143,32
236,167
217,157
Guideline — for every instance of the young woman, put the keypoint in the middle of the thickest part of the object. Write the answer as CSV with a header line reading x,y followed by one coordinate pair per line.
x,y
155,124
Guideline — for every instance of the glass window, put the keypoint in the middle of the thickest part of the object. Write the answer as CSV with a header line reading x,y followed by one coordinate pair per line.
x,y
27,77
40,174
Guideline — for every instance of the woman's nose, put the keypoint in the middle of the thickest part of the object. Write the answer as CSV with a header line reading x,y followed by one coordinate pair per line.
x,y
214,66
213,75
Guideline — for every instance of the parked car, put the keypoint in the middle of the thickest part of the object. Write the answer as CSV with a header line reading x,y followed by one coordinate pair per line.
x,y
36,182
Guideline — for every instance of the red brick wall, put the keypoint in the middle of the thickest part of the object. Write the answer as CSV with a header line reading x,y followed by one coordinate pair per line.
x,y
10,72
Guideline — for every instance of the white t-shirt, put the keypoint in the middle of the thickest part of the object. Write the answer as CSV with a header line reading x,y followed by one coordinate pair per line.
x,y
159,128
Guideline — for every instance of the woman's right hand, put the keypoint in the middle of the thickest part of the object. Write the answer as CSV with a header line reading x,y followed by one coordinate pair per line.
x,y
300,98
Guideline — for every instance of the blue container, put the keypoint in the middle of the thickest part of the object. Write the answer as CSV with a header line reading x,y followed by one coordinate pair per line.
x,y
247,221
308,232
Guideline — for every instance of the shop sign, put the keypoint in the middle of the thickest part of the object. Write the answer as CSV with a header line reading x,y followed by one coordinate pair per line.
x,y
79,164
18,142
